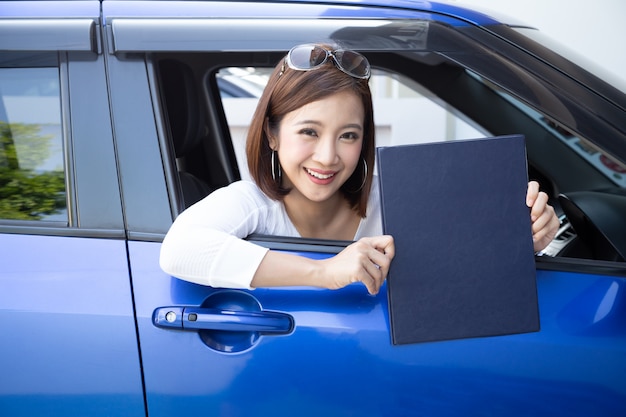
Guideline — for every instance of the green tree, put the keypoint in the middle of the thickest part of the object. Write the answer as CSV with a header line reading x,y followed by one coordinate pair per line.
x,y
25,193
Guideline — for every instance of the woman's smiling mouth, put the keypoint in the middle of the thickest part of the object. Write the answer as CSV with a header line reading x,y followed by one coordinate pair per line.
x,y
321,176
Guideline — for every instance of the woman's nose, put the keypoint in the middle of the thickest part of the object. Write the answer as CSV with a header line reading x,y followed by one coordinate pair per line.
x,y
326,151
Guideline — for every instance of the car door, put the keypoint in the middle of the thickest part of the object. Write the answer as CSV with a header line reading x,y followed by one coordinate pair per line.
x,y
69,344
303,351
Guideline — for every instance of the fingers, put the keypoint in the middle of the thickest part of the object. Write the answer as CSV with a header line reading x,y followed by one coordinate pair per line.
x,y
539,207
539,228
545,224
381,244
379,252
385,244
544,229
531,193
367,261
373,279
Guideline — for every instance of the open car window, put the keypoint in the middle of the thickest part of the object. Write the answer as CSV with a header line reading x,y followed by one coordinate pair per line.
x,y
405,112
209,101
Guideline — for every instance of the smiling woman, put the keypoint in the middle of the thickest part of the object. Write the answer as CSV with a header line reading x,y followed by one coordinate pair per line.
x,y
289,90
319,147
309,146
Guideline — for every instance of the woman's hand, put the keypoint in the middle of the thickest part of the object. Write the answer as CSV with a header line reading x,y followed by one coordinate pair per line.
x,y
545,224
366,260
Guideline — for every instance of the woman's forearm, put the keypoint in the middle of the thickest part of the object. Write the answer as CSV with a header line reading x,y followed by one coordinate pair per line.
x,y
279,269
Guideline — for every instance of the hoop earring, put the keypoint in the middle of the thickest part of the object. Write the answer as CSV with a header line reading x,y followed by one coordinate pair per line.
x,y
364,178
277,172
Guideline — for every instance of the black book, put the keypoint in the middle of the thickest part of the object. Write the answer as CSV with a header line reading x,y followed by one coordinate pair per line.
x,y
464,264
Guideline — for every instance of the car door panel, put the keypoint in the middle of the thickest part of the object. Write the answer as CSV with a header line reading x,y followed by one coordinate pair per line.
x,y
339,359
68,335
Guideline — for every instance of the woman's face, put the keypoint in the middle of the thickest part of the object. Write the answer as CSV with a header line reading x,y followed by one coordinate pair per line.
x,y
319,146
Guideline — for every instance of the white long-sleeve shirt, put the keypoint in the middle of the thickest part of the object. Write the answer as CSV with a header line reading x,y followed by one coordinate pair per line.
x,y
205,244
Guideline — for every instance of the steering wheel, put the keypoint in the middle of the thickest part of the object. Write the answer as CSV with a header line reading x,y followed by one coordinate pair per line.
x,y
599,220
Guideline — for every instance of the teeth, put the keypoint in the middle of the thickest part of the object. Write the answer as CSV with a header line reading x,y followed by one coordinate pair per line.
x,y
318,175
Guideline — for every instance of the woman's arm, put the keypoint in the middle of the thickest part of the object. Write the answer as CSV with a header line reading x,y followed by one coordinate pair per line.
x,y
207,256
366,261
205,245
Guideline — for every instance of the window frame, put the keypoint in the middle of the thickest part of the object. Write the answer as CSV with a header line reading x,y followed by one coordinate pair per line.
x,y
89,164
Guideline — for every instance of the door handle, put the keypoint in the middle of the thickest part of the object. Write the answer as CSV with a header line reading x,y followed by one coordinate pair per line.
x,y
199,318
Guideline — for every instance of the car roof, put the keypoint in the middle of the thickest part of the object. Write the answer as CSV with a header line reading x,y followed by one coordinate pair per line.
x,y
469,13
465,15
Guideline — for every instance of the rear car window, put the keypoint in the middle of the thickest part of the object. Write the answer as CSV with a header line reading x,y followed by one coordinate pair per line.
x,y
32,174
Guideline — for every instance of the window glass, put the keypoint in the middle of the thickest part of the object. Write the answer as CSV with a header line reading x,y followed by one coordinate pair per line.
x,y
611,168
404,112
32,178
616,80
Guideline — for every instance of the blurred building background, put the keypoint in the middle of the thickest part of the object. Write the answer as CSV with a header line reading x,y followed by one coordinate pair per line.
x,y
595,29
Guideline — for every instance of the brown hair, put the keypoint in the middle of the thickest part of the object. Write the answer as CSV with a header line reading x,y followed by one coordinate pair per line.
x,y
290,90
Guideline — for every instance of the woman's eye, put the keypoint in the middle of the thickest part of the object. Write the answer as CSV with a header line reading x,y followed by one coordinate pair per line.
x,y
308,132
349,136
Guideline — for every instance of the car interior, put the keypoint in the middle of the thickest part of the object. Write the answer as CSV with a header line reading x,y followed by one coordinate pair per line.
x,y
187,134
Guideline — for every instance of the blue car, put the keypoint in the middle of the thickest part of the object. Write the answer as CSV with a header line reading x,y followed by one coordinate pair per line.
x,y
117,115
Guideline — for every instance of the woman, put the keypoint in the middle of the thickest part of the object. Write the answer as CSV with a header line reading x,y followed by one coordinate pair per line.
x,y
310,152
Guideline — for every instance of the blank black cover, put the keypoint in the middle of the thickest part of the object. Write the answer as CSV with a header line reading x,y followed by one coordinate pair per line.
x,y
464,264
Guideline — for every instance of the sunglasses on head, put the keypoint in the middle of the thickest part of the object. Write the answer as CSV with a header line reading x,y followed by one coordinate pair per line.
x,y
310,56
